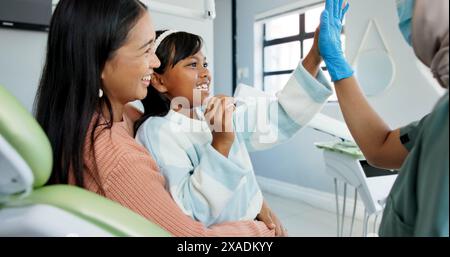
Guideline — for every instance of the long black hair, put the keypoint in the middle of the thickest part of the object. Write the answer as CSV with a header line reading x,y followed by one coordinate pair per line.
x,y
173,49
83,35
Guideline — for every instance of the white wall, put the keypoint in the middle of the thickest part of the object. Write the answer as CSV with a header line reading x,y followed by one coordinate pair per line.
x,y
223,53
22,53
412,94
410,97
22,56
190,4
202,27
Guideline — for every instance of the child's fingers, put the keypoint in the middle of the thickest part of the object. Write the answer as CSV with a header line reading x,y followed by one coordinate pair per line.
x,y
225,116
210,104
269,223
213,102
212,107
212,111
278,231
229,111
218,116
265,217
219,113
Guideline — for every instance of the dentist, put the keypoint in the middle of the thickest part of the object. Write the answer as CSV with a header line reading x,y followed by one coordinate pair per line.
x,y
418,202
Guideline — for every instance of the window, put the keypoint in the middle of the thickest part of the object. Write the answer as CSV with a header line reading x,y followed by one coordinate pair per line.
x,y
287,39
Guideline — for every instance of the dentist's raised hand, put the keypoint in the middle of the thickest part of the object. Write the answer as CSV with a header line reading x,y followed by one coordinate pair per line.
x,y
330,45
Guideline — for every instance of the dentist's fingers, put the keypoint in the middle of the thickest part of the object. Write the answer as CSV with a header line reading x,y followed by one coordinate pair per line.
x,y
347,6
329,6
339,8
325,22
337,5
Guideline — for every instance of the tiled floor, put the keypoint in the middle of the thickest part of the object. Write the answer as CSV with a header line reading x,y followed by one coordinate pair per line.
x,y
303,220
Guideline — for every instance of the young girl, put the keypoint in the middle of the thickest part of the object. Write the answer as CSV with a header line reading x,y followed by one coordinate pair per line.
x,y
207,164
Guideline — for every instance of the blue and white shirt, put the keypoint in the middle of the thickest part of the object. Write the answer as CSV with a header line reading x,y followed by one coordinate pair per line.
x,y
210,187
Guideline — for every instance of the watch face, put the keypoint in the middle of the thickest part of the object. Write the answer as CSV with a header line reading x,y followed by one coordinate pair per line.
x,y
371,171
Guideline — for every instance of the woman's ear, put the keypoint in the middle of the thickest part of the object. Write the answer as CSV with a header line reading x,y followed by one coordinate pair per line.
x,y
158,83
105,70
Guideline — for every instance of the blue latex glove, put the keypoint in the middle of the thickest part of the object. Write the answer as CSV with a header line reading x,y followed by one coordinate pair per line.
x,y
330,45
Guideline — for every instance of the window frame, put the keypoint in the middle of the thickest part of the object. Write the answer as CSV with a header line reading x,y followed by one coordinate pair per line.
x,y
261,42
300,37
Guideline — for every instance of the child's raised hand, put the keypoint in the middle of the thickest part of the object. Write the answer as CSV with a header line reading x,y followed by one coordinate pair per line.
x,y
314,51
219,116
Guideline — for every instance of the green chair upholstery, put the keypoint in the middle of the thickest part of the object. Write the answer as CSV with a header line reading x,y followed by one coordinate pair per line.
x,y
25,167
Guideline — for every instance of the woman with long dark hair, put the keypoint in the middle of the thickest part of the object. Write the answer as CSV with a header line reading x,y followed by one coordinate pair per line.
x,y
99,58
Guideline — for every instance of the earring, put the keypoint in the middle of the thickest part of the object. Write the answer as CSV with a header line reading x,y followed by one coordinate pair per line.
x,y
100,93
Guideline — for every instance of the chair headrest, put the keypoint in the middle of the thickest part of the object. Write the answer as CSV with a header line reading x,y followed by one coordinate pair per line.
x,y
25,145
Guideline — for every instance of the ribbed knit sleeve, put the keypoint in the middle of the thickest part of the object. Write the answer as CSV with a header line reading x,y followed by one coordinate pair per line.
x,y
135,185
264,122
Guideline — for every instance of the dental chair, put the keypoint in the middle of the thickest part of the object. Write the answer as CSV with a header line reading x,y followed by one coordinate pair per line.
x,y
29,208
